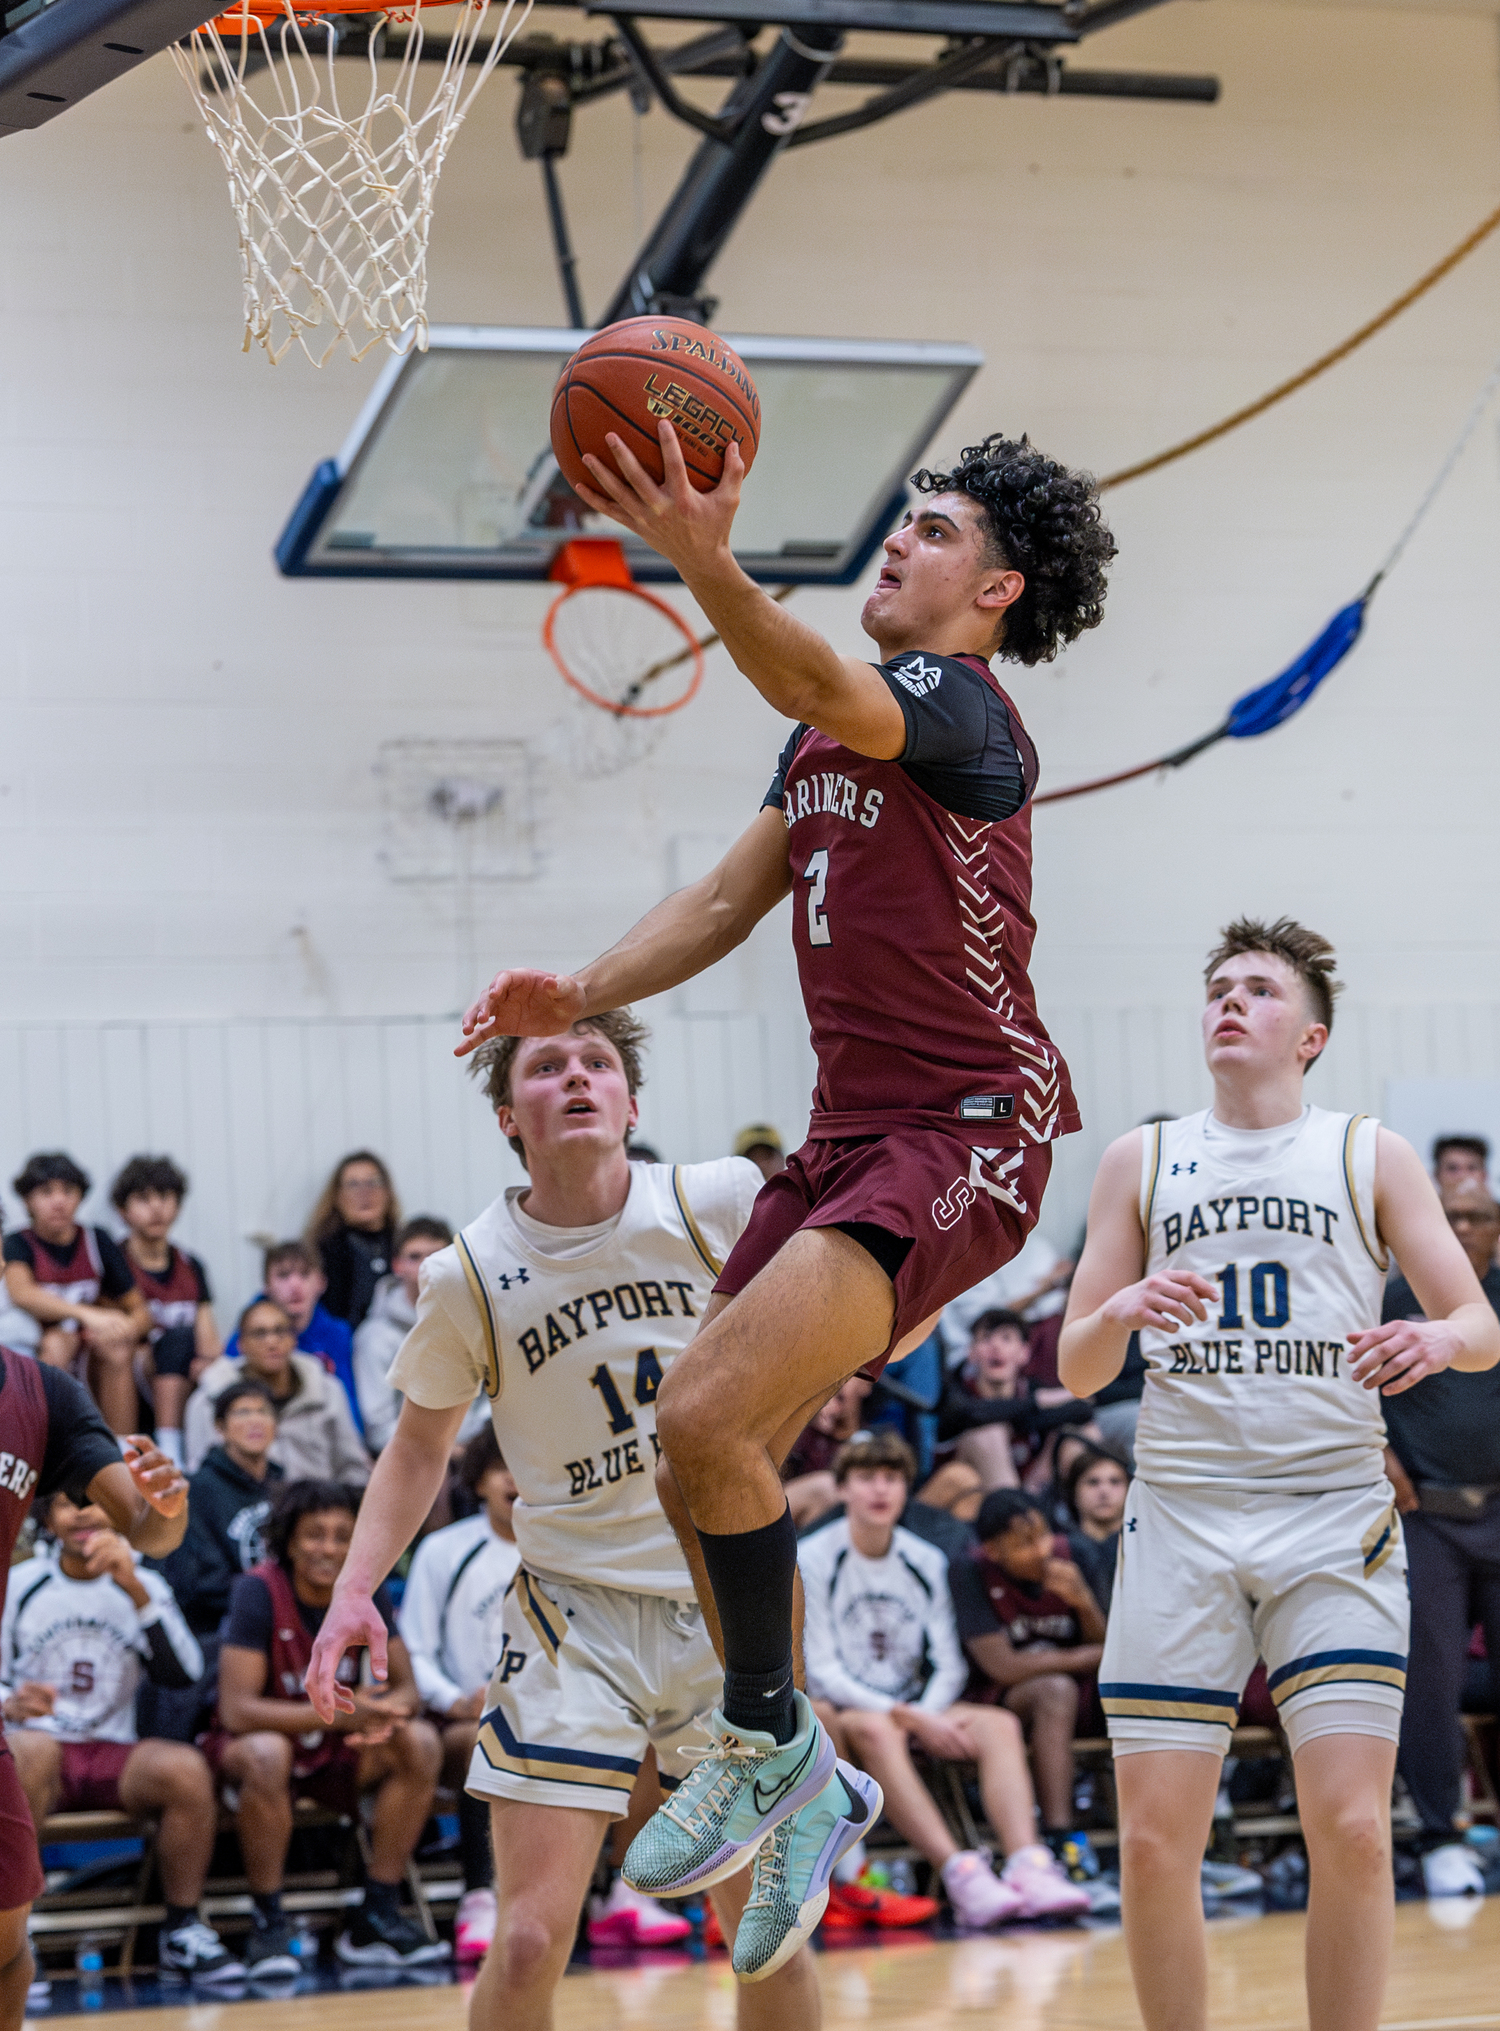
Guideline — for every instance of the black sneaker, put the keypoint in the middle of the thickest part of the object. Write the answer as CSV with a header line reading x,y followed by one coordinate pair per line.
x,y
380,1939
196,1951
268,1950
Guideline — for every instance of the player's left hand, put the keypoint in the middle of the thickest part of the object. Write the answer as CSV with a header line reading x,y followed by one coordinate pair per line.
x,y
689,529
160,1482
1395,1357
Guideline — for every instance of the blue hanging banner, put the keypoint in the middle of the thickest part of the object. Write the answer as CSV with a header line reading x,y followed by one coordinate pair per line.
x,y
1269,704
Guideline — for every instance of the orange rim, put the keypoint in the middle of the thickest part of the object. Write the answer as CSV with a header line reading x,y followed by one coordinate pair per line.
x,y
669,613
237,20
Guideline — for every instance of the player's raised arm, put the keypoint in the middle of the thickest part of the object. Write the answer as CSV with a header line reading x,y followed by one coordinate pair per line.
x,y
790,664
1110,1299
682,936
1460,1329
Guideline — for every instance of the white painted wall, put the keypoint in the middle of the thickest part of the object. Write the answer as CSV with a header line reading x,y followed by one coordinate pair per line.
x,y
191,796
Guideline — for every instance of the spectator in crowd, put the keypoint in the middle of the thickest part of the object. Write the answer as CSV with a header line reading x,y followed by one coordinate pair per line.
x,y
807,1471
84,1626
353,1229
392,1314
75,1282
762,1145
995,1427
885,1670
1461,1159
270,1748
1444,1462
315,1434
1030,1624
184,1339
450,1624
1033,1284
643,1153
229,1502
1097,1483
293,1278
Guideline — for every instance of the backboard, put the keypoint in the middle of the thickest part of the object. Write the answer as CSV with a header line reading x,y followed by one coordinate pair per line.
x,y
448,473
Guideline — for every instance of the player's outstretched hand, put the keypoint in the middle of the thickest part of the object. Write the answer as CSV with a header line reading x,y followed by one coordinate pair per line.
x,y
1395,1357
522,1003
353,1622
158,1479
1164,1303
689,529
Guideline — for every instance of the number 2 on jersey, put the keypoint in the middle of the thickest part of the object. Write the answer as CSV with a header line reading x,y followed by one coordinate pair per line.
x,y
647,1382
816,872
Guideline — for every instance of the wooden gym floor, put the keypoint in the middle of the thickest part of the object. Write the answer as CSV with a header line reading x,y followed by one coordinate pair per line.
x,y
1445,1976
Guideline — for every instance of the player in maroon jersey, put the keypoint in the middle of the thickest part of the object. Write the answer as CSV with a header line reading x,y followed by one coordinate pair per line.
x,y
55,1439
899,816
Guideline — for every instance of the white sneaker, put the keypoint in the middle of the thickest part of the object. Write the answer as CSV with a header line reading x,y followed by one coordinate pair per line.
x,y
1041,1882
1452,1871
979,1897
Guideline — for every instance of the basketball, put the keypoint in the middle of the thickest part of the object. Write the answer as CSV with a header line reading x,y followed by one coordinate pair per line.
x,y
631,375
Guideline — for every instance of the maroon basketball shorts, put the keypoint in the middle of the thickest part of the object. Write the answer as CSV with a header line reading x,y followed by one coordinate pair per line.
x,y
964,1211
91,1773
21,1879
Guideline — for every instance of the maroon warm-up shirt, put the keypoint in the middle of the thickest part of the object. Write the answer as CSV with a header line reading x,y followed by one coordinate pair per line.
x,y
912,918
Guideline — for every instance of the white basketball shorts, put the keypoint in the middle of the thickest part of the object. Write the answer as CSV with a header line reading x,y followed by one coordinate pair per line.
x,y
1209,1578
588,1678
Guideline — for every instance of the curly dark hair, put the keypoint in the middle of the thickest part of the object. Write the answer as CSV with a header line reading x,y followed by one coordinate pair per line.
x,y
148,1174
304,1498
1044,522
50,1167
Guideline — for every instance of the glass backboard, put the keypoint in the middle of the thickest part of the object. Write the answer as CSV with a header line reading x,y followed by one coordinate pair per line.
x,y
448,472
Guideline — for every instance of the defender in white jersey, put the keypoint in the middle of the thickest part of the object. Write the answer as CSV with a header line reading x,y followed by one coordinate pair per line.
x,y
566,1302
1248,1246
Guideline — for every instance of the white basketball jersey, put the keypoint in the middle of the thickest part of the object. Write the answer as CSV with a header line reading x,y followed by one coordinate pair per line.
x,y
571,1353
1282,1222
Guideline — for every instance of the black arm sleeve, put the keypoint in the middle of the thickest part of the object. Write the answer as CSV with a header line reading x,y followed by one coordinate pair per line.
x,y
163,1666
962,746
775,797
79,1442
114,1278
961,1411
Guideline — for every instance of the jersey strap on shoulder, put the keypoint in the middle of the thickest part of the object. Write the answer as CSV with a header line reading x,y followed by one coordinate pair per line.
x,y
486,1316
1150,1172
695,1233
1367,1234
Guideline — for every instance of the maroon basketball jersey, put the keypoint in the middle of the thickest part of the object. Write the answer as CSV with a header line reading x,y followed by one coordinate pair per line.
x,y
173,1296
912,921
23,1429
78,1277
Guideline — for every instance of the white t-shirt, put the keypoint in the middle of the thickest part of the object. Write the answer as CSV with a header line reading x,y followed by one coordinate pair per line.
x,y
452,1607
875,1628
571,1350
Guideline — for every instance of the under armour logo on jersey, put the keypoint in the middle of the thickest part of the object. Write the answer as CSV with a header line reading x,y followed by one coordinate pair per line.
x,y
917,676
515,1276
1184,1167
1130,1523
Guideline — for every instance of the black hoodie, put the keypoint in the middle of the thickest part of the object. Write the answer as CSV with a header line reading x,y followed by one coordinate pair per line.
x,y
227,1510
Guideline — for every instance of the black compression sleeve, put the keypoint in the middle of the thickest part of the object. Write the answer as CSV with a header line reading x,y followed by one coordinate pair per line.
x,y
960,745
775,797
163,1666
79,1442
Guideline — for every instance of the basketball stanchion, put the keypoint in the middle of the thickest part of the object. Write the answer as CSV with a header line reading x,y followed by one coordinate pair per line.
x,y
629,658
334,208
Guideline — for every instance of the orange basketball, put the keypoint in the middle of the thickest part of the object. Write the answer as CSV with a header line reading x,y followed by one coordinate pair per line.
x,y
631,375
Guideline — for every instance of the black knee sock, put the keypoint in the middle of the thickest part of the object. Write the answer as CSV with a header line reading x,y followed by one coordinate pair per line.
x,y
384,1897
474,1843
267,1907
751,1573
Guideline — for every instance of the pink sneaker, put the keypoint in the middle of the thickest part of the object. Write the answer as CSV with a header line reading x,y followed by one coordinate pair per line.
x,y
626,1918
979,1897
1037,1877
474,1924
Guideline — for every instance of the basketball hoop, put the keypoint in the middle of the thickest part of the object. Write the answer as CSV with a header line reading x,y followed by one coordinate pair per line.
x,y
334,208
628,655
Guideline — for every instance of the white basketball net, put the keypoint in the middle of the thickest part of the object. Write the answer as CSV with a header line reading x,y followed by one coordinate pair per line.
x,y
334,208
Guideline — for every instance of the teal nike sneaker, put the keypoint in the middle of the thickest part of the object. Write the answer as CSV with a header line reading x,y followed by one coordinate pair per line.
x,y
789,1885
722,1811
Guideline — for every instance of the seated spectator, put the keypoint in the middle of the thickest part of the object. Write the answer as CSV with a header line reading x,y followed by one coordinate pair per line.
x,y
392,1314
996,1428
1033,1284
315,1435
184,1339
762,1145
85,1624
353,1231
1444,1462
294,1280
229,1501
1031,1626
450,1623
1097,1484
885,1670
807,1471
270,1748
1461,1160
77,1285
